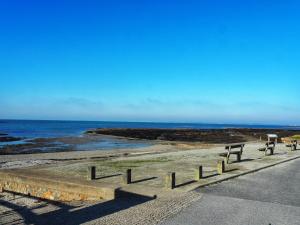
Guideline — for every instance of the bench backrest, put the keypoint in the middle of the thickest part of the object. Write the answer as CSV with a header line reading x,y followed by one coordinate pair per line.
x,y
272,137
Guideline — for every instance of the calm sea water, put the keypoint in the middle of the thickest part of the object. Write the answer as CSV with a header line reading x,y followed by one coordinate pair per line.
x,y
44,129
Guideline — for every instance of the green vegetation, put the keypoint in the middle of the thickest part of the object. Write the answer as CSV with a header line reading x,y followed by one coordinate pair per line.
x,y
296,137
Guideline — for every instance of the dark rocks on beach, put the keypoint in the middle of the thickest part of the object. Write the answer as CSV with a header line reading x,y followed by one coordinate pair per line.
x,y
185,135
5,138
34,146
9,139
210,136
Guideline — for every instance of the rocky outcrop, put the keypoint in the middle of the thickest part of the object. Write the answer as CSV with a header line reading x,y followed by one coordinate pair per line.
x,y
214,136
5,138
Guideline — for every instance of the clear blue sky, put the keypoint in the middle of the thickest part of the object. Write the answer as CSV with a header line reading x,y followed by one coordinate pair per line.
x,y
181,61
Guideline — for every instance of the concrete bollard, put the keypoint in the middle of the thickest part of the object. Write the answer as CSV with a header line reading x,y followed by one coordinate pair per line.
x,y
199,173
221,167
239,157
127,177
170,180
91,173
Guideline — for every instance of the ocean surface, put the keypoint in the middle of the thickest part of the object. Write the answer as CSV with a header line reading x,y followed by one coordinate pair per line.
x,y
47,128
31,129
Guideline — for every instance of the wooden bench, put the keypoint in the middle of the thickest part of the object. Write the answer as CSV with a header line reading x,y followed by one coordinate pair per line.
x,y
270,146
238,153
292,143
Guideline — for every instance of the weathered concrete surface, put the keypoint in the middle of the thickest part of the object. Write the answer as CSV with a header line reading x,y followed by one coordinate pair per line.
x,y
53,188
271,196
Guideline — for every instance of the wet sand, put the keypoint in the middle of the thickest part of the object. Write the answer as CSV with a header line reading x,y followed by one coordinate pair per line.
x,y
67,144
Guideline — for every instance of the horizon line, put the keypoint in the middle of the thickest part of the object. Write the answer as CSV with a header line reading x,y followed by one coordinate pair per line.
x,y
164,122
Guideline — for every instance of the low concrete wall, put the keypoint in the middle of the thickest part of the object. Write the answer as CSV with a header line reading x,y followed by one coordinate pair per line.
x,y
54,189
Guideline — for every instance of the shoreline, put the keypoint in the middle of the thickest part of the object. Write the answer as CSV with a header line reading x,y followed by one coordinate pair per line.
x,y
117,139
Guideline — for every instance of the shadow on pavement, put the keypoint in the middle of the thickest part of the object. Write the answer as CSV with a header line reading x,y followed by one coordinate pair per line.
x,y
211,175
70,215
109,176
142,180
242,160
186,183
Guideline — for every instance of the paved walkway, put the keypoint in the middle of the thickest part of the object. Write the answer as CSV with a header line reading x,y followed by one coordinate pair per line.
x,y
271,196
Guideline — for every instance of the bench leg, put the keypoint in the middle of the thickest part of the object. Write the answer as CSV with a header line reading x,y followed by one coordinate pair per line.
x,y
272,151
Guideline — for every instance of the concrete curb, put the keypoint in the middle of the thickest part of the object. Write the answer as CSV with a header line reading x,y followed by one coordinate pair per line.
x,y
54,189
244,173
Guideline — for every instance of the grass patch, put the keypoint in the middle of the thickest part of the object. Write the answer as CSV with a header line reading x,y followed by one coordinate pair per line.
x,y
296,136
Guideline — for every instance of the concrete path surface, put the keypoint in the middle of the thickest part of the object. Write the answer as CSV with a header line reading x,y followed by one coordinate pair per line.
x,y
271,196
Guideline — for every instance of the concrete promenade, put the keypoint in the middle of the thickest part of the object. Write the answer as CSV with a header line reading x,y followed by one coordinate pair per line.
x,y
271,196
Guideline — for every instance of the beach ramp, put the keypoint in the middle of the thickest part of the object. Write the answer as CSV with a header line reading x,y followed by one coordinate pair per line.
x,y
56,188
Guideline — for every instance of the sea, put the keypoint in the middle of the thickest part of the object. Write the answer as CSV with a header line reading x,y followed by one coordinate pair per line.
x,y
31,129
52,128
